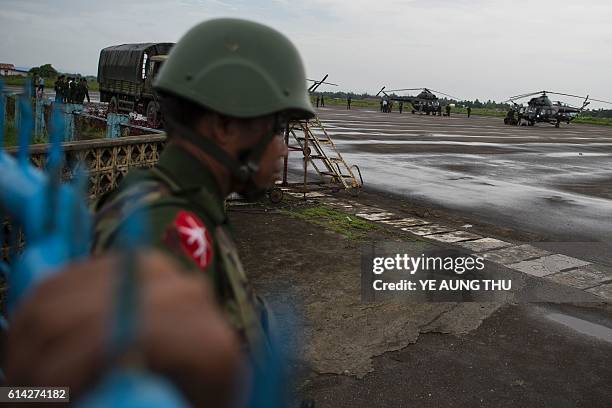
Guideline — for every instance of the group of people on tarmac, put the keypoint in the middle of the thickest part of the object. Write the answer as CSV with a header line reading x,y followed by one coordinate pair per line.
x,y
71,90
320,101
386,105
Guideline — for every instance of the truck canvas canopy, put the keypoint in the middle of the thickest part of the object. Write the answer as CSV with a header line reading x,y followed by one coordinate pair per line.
x,y
124,62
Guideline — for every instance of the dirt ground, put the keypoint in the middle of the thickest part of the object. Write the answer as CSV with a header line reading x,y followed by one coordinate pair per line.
x,y
345,353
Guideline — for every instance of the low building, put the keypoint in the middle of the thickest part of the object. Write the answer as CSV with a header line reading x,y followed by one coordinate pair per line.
x,y
10,70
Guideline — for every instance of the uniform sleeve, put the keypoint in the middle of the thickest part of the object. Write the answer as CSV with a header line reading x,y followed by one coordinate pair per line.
x,y
184,235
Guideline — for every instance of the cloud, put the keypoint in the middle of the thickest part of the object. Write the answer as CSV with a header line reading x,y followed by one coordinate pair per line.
x,y
486,49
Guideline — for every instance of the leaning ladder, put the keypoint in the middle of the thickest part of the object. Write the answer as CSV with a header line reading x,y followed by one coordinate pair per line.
x,y
320,151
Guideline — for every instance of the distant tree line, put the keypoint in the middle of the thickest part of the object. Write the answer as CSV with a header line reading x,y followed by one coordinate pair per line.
x,y
599,113
444,101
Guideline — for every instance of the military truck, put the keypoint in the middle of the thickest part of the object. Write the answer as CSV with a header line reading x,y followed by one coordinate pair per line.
x,y
125,77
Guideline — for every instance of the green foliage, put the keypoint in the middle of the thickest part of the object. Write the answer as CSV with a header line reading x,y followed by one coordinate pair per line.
x,y
10,135
45,71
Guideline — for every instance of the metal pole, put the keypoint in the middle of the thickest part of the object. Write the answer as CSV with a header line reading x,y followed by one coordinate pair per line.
x,y
306,154
286,159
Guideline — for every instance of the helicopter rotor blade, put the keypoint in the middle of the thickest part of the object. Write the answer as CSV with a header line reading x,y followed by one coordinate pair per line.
x,y
599,100
381,90
521,96
564,94
442,93
587,98
406,89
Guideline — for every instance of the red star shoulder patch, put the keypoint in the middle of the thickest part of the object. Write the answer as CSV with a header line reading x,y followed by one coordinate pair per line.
x,y
194,238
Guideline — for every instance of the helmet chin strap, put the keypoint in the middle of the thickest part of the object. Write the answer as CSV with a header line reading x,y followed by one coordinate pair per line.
x,y
243,169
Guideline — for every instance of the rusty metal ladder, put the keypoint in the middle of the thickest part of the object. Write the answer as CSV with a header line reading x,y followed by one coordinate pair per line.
x,y
320,150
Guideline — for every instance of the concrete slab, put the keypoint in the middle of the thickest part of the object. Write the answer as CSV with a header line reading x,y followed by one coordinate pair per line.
x,y
603,291
366,209
377,216
427,229
484,244
547,265
455,236
406,222
315,194
581,278
514,254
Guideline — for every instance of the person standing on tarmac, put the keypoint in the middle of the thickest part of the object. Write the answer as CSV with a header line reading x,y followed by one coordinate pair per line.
x,y
469,111
318,100
322,101
348,102
84,90
221,140
448,109
59,89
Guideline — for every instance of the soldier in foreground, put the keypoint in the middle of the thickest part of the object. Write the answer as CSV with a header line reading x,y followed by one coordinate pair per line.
x,y
226,102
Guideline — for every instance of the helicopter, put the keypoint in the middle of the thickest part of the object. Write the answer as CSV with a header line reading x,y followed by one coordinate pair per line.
x,y
541,109
425,102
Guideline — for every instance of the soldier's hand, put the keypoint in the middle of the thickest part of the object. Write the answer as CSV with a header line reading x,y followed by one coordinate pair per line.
x,y
59,335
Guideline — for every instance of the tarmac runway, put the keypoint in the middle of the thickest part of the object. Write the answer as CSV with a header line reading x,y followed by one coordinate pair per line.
x,y
556,183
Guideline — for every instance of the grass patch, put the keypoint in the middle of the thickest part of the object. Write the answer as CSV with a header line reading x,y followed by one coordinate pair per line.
x,y
49,82
346,224
11,139
589,120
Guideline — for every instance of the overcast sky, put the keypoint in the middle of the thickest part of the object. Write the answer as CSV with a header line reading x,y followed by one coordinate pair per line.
x,y
484,49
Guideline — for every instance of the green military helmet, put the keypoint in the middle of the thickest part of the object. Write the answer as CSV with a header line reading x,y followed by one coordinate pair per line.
x,y
238,68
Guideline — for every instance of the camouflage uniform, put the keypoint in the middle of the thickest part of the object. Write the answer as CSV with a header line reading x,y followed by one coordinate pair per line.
x,y
182,200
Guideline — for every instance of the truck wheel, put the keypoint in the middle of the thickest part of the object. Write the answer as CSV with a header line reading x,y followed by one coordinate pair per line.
x,y
113,105
153,115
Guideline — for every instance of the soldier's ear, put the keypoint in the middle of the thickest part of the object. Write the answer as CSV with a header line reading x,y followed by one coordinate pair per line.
x,y
221,129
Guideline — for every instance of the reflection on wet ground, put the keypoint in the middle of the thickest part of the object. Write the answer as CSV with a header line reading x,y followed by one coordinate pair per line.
x,y
555,182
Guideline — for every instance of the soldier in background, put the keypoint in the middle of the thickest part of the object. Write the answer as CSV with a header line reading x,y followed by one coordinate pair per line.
x,y
439,110
322,101
59,89
348,102
71,88
469,111
83,91
448,109
401,106
318,100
